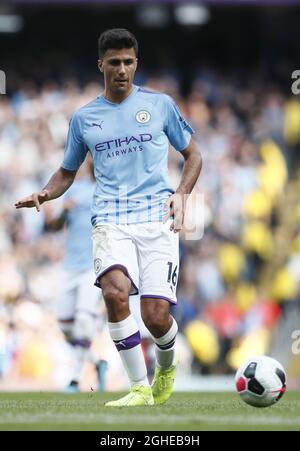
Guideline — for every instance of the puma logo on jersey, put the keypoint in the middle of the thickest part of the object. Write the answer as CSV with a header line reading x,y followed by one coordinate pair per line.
x,y
94,124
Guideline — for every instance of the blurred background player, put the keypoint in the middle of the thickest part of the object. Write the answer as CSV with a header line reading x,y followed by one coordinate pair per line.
x,y
78,304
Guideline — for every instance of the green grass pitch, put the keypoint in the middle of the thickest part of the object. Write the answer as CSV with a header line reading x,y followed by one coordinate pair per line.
x,y
183,412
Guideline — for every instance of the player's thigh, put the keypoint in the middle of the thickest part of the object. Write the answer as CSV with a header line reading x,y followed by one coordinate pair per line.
x,y
88,295
114,257
135,306
66,304
158,256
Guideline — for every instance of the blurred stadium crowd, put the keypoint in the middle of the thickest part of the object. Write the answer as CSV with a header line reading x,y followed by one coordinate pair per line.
x,y
239,285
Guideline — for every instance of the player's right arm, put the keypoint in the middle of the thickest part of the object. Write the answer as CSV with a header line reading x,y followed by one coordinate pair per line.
x,y
60,181
54,223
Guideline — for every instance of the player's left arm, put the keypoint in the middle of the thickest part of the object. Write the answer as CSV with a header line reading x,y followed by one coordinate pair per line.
x,y
176,204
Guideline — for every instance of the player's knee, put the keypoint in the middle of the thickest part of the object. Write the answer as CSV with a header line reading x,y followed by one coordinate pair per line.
x,y
115,286
117,304
84,326
156,318
67,328
156,323
114,295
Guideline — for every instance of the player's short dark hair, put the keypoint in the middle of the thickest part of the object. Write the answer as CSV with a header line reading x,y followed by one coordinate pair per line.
x,y
116,38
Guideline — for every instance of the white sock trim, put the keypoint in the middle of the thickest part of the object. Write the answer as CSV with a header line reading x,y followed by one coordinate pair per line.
x,y
169,336
123,329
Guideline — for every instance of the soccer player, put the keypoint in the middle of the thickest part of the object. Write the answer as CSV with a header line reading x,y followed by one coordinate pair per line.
x,y
136,216
78,303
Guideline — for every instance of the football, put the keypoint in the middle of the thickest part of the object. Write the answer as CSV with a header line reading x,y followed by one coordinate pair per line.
x,y
261,381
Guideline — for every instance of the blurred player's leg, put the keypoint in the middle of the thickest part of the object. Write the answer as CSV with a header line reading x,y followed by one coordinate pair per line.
x,y
77,310
66,315
85,326
83,333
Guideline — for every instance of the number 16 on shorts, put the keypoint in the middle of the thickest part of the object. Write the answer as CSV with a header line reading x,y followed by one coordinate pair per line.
x,y
172,275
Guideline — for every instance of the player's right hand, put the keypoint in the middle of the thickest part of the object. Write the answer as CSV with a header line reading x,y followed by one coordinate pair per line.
x,y
69,204
34,200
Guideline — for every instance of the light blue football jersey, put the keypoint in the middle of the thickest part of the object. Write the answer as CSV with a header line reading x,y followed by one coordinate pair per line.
x,y
79,248
129,144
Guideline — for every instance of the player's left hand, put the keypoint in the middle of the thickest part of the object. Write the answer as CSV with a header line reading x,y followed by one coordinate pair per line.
x,y
175,206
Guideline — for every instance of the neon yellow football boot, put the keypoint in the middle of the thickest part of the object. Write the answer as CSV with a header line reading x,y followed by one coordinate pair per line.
x,y
163,382
139,395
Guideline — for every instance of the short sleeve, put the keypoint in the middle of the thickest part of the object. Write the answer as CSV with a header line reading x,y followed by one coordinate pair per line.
x,y
177,129
75,150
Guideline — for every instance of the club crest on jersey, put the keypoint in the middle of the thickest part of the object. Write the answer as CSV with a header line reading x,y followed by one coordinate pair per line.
x,y
143,116
97,265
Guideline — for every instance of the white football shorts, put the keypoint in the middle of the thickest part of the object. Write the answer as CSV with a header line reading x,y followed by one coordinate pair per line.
x,y
77,294
148,253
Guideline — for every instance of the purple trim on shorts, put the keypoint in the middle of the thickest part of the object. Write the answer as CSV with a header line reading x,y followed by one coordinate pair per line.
x,y
155,296
93,315
67,320
129,342
97,281
167,346
83,343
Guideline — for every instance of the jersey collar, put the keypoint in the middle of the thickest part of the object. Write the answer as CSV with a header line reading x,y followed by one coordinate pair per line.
x,y
108,102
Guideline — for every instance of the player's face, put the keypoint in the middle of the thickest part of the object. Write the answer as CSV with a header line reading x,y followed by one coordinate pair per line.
x,y
118,67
